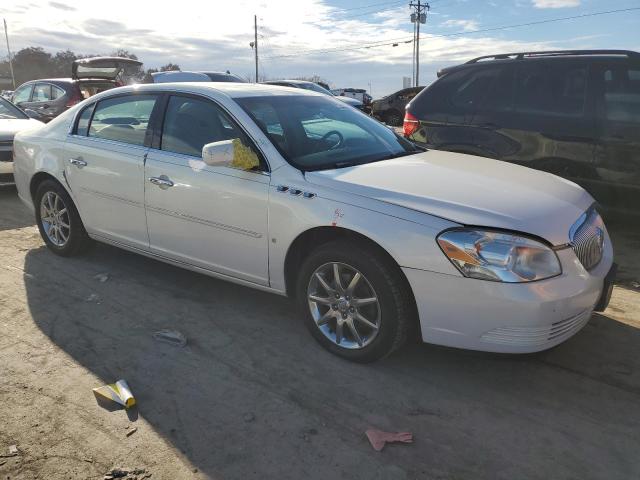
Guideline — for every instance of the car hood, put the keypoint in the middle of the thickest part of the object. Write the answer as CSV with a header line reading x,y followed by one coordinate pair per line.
x,y
468,190
9,127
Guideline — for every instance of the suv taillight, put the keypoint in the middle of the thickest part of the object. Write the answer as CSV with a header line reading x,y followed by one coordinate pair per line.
x,y
410,125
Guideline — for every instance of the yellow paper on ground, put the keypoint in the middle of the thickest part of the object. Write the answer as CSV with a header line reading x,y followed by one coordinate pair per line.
x,y
118,392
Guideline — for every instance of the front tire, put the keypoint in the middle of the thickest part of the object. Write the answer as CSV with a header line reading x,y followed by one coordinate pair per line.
x,y
354,301
58,220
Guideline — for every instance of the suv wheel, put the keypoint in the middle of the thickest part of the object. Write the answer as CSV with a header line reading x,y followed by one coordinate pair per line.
x,y
58,220
354,302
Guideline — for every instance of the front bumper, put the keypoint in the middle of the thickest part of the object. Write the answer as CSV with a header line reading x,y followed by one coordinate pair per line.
x,y
508,317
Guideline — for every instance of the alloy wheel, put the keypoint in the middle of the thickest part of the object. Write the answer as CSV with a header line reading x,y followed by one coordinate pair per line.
x,y
344,305
54,216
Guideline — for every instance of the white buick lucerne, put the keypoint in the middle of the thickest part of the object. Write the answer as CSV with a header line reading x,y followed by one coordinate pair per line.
x,y
296,193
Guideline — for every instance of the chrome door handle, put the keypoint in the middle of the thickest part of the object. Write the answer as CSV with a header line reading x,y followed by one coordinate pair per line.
x,y
78,162
161,182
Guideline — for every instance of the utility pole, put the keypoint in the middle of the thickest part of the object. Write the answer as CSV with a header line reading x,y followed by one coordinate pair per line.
x,y
255,40
418,16
6,35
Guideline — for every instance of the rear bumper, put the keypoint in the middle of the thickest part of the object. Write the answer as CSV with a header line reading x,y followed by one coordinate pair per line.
x,y
511,318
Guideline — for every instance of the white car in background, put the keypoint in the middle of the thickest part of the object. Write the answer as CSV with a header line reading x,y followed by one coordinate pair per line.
x,y
12,121
295,193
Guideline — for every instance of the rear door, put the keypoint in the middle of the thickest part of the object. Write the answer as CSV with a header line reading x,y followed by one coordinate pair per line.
x,y
43,100
105,167
212,217
617,156
552,119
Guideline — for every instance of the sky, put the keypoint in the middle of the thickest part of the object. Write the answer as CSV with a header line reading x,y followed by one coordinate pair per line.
x,y
328,38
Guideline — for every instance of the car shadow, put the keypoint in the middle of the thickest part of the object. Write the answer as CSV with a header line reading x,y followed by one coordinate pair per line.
x,y
253,396
13,213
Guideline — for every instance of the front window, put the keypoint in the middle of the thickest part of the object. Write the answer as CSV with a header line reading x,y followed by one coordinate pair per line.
x,y
22,94
317,133
8,111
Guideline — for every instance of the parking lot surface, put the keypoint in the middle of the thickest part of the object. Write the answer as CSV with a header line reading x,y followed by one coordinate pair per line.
x,y
252,396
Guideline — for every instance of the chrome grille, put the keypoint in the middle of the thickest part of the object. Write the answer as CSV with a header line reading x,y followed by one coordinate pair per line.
x,y
587,239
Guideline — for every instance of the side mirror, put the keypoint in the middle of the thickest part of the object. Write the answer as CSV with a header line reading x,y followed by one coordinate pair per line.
x,y
32,114
230,153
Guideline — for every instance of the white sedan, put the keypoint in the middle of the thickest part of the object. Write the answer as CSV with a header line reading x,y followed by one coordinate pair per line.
x,y
12,121
296,193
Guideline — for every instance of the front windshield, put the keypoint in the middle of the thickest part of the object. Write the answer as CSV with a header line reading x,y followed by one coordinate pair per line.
x,y
10,111
317,133
315,88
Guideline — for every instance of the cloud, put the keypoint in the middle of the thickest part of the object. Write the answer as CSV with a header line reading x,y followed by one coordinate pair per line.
x,y
62,6
555,3
465,25
289,39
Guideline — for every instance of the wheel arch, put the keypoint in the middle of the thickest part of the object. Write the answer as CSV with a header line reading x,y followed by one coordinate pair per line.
x,y
40,177
311,239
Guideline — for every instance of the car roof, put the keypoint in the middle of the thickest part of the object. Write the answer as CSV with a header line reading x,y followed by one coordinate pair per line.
x,y
541,56
233,90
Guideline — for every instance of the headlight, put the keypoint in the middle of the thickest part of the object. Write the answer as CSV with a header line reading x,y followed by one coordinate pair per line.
x,y
498,256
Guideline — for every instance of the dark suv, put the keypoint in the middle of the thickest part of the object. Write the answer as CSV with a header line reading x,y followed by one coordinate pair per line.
x,y
50,97
390,109
572,113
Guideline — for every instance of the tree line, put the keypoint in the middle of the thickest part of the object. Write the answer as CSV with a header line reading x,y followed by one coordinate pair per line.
x,y
32,63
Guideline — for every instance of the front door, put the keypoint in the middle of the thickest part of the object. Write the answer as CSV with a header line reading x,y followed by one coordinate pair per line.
x,y
212,217
105,167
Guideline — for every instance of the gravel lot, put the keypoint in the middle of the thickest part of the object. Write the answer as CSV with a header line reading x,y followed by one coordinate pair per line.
x,y
253,397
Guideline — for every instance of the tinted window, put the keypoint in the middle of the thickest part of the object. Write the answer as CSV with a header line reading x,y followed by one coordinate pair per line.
x,y
471,90
123,119
224,77
622,94
22,94
191,123
319,132
83,121
41,92
551,88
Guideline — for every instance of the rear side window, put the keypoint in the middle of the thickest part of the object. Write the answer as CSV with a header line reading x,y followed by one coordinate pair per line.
x,y
622,94
551,88
41,92
57,92
471,91
123,119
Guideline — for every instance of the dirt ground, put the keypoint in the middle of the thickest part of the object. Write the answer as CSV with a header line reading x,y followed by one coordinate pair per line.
x,y
252,396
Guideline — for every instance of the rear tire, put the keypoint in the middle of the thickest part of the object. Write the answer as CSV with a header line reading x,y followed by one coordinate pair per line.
x,y
381,326
58,220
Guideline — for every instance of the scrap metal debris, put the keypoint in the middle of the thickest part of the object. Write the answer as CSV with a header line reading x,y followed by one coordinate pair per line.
x,y
127,474
118,392
172,337
379,439
13,451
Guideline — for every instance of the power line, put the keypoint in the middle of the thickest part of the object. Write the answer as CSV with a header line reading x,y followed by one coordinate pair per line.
x,y
388,42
